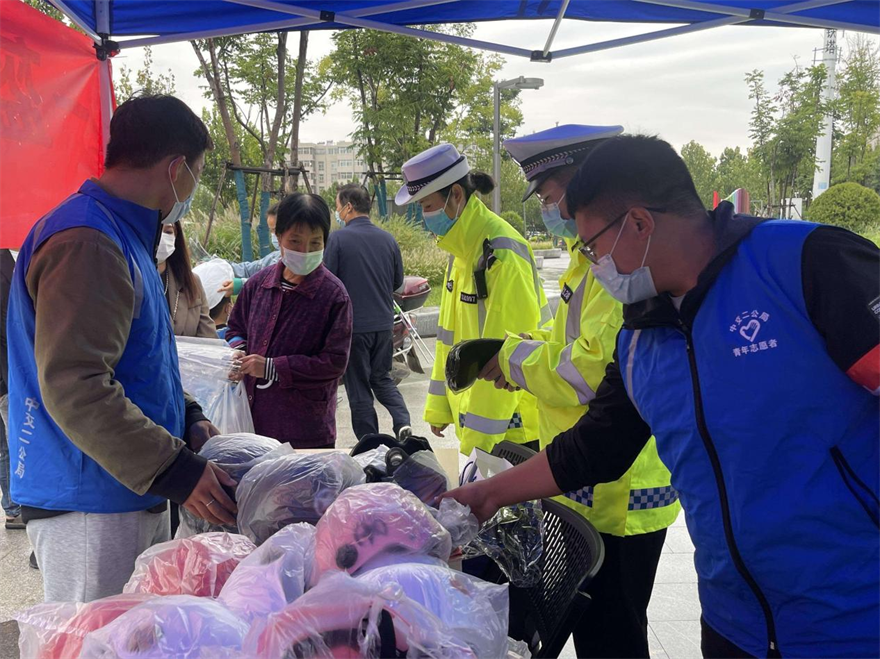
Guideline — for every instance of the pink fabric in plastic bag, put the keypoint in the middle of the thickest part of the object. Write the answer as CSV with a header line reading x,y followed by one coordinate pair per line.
x,y
198,566
368,521
55,630
272,577
178,627
342,617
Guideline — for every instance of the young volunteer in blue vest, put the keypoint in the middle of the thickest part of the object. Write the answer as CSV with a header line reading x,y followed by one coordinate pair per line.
x,y
750,350
96,407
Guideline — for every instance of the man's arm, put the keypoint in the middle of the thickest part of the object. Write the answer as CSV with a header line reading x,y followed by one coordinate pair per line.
x,y
841,282
598,449
398,269
331,254
84,302
249,269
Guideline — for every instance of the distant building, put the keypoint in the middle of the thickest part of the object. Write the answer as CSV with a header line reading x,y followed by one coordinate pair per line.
x,y
329,162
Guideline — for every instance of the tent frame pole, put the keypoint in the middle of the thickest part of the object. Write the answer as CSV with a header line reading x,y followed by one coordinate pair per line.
x,y
102,15
276,25
555,27
780,15
354,21
744,16
61,5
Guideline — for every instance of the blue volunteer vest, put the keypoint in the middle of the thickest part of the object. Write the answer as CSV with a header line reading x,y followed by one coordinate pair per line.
x,y
774,452
47,470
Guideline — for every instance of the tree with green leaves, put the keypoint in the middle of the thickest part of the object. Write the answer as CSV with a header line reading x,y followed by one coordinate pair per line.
x,y
701,165
145,80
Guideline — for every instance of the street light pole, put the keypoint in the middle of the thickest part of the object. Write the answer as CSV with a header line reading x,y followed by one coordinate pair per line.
x,y
496,151
516,83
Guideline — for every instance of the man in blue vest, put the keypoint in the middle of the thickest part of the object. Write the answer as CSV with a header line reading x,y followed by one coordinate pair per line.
x,y
750,350
100,433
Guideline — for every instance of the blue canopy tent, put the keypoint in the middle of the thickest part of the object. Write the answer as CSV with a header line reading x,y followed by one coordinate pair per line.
x,y
120,24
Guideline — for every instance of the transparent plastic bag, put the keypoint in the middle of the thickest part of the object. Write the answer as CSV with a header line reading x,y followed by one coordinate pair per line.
x,y
290,489
458,520
343,617
204,368
236,454
374,458
518,649
231,411
178,627
56,630
514,539
272,577
198,566
475,611
422,474
368,521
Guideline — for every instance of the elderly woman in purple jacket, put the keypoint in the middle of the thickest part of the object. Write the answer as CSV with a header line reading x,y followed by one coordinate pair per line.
x,y
292,324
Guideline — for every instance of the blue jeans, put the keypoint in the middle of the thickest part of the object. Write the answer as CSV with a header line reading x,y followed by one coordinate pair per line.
x,y
9,507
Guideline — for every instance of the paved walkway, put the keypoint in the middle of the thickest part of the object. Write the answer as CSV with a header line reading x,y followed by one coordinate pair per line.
x,y
673,615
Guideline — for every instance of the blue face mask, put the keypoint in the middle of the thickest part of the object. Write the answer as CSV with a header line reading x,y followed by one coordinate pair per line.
x,y
556,224
438,222
180,208
274,240
339,220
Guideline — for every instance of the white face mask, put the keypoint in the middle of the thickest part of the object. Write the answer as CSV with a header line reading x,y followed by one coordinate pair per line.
x,y
166,247
302,263
180,208
628,289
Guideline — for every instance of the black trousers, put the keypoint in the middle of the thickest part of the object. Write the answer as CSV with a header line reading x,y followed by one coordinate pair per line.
x,y
369,373
714,646
616,623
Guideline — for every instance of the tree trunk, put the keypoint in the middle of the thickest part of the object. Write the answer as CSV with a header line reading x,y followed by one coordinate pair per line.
x,y
293,182
212,73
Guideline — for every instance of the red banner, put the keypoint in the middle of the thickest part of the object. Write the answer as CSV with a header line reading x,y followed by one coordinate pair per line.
x,y
50,117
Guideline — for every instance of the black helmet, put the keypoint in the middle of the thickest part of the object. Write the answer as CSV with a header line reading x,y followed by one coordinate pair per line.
x,y
467,359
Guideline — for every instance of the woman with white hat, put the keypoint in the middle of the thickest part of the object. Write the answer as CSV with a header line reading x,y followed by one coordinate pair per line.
x,y
492,288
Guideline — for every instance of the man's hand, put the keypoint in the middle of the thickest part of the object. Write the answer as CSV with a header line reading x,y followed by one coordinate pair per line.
x,y
199,433
254,365
227,288
438,430
477,496
209,501
492,372
236,374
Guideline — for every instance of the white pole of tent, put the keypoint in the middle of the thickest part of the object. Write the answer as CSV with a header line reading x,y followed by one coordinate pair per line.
x,y
778,15
496,148
555,27
286,24
62,6
349,19
822,177
102,22
650,36
705,25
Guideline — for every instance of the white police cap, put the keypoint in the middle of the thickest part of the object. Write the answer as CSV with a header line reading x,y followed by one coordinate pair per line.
x,y
540,153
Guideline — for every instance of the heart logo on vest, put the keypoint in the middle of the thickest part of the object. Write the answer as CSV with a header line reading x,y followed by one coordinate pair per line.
x,y
750,330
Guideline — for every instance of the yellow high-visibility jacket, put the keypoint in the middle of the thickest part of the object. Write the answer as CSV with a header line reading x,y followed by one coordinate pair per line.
x,y
563,366
484,415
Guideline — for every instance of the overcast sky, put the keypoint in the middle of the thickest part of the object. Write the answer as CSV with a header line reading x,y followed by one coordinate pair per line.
x,y
685,88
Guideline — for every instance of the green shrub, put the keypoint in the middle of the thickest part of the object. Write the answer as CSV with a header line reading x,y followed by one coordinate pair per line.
x,y
848,205
541,244
515,220
419,250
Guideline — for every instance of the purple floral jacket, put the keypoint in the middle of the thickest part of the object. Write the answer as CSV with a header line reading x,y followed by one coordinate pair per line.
x,y
307,333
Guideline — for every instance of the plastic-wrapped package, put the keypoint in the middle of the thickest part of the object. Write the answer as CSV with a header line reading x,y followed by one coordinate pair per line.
x,y
237,454
343,617
458,520
368,521
475,611
55,630
198,566
272,577
514,539
294,488
374,458
204,368
518,649
178,627
422,474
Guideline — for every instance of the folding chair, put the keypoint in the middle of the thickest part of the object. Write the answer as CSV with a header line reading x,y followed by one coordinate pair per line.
x,y
545,615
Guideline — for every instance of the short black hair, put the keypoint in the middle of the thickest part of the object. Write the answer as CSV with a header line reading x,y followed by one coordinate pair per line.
x,y
273,209
219,308
302,208
633,170
146,129
357,196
